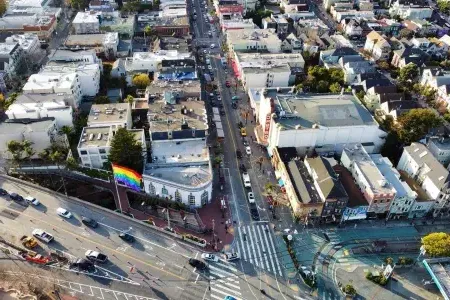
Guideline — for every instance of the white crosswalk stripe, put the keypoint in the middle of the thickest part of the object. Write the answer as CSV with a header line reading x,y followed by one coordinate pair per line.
x,y
258,248
224,280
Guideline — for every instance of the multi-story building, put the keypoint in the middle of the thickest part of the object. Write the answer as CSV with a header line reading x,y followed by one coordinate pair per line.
x,y
440,148
253,40
323,123
39,106
180,169
28,42
163,25
268,70
12,59
105,43
418,163
86,22
95,144
42,133
378,191
41,24
377,46
411,9
405,197
152,61
113,114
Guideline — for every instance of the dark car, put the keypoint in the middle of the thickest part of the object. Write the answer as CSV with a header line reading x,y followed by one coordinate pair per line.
x,y
222,112
197,264
238,154
242,168
15,197
3,192
255,214
89,222
245,142
126,237
83,264
234,105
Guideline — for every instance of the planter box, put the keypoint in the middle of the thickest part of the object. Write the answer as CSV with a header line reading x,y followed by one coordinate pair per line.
x,y
200,244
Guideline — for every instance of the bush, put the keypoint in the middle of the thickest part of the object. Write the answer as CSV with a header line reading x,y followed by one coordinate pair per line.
x,y
389,261
381,280
405,261
194,238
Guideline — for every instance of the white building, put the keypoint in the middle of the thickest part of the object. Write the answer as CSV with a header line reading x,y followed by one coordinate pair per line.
x,y
95,144
440,148
378,192
256,40
113,114
43,83
268,70
323,123
66,56
28,42
86,22
405,197
39,106
11,58
41,133
151,61
409,10
180,168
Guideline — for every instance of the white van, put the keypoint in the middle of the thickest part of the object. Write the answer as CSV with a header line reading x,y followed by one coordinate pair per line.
x,y
246,179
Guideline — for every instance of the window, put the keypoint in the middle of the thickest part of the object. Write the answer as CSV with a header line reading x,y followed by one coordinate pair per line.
x,y
204,197
101,150
151,189
104,156
191,200
177,196
375,201
83,152
164,191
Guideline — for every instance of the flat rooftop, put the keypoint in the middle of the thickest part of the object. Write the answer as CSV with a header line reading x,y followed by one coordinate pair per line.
x,y
441,143
303,183
85,17
165,117
376,180
312,110
439,269
42,81
191,88
108,113
95,137
84,40
26,125
266,36
179,151
185,175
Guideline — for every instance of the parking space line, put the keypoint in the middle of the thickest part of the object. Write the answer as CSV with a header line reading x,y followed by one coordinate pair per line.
x,y
79,286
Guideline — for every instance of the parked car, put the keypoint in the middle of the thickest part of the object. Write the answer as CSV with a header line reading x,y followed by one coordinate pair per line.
x,y
238,154
89,222
15,197
126,237
227,84
254,213
209,256
32,200
3,192
242,168
248,150
243,131
63,213
83,264
234,105
245,142
229,256
42,235
251,197
96,256
197,264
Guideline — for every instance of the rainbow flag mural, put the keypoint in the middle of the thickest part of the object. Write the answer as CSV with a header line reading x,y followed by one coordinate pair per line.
x,y
128,177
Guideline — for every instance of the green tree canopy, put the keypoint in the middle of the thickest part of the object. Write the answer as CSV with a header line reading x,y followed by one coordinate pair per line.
x,y
444,6
415,123
148,30
3,7
323,80
405,33
78,4
437,244
335,87
408,73
101,100
20,150
126,150
141,80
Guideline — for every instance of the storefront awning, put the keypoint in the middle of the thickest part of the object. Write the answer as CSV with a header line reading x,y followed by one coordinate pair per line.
x,y
280,182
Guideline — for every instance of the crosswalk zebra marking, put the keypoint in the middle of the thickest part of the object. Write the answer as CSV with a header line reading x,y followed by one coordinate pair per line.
x,y
227,266
228,283
263,249
243,252
276,256
252,245
220,292
227,289
259,257
218,271
269,251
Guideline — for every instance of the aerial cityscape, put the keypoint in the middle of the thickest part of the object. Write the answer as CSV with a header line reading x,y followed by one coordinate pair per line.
x,y
225,149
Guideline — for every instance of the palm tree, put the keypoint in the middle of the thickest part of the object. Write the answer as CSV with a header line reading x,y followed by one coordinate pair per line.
x,y
147,31
67,130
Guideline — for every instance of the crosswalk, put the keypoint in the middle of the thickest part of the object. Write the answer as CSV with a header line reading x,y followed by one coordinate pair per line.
x,y
256,245
219,281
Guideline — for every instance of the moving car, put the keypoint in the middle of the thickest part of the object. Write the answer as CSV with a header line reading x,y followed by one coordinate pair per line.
x,y
126,237
89,222
28,241
63,213
243,131
3,192
197,264
32,200
231,256
96,256
227,84
42,235
254,213
213,46
251,197
248,150
229,298
83,264
209,256
238,154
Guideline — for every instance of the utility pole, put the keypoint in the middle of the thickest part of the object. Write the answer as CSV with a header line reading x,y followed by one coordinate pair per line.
x,y
168,218
214,234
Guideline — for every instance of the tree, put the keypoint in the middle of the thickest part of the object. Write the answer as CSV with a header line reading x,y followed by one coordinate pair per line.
x,y
349,290
129,99
147,31
126,150
258,15
384,65
131,6
405,33
408,73
156,4
141,80
3,7
77,4
335,87
416,123
444,6
67,130
20,150
437,244
101,100
322,86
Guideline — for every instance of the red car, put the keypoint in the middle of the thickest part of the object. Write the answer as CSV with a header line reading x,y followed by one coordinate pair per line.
x,y
270,200
227,84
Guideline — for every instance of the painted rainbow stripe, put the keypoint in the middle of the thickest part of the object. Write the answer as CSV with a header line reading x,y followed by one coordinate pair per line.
x,y
128,177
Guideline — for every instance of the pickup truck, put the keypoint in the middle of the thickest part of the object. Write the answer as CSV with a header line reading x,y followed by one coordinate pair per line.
x,y
42,235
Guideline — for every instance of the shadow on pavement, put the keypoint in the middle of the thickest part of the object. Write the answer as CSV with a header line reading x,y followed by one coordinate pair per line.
x,y
58,246
101,231
73,221
42,208
159,294
138,245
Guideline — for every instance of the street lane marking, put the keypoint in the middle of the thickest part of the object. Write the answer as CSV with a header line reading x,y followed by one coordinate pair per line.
x,y
227,266
257,247
243,252
269,249
102,245
276,256
220,292
198,275
263,249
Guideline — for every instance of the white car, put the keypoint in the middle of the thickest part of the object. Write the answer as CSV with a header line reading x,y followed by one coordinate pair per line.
x,y
248,150
246,179
42,235
251,197
96,256
32,200
63,213
213,46
231,256
210,257
209,67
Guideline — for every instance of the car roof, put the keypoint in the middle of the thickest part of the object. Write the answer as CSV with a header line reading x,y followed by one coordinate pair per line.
x,y
60,209
30,198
